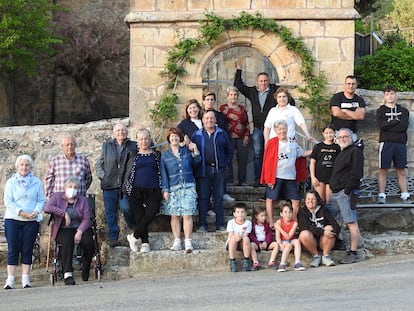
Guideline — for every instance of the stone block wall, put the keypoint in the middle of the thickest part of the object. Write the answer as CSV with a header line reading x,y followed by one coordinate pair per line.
x,y
327,28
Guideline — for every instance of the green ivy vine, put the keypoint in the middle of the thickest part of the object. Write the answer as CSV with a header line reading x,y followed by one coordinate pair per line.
x,y
211,27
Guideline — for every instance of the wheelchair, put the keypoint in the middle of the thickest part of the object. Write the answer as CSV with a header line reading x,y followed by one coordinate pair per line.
x,y
57,272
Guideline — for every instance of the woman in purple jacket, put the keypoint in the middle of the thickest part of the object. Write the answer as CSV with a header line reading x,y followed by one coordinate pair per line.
x,y
71,226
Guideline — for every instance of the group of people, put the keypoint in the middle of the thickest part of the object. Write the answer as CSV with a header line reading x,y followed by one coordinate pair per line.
x,y
63,196
194,170
315,229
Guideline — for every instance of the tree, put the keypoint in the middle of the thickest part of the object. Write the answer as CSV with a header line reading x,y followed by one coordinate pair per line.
x,y
92,47
25,34
366,7
403,13
391,64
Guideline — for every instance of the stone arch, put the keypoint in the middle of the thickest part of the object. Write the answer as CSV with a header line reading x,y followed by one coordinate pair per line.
x,y
286,63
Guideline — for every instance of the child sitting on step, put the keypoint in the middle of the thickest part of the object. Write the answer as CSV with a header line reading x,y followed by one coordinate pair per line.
x,y
261,237
239,229
286,237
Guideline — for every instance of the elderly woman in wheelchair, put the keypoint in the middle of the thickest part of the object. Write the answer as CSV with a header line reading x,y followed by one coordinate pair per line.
x,y
71,225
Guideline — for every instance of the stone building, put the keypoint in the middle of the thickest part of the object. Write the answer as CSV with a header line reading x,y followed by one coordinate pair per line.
x,y
326,27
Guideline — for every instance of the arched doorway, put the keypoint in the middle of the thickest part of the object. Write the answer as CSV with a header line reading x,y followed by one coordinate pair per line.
x,y
218,72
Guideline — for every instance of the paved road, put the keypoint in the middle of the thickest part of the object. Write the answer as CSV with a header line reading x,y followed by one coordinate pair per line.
x,y
383,283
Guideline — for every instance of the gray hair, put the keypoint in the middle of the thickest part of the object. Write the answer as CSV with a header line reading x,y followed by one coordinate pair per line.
x,y
72,180
120,125
280,122
68,136
145,132
24,157
232,89
350,133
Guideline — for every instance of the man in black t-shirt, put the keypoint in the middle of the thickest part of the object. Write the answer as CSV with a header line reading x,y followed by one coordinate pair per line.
x,y
347,108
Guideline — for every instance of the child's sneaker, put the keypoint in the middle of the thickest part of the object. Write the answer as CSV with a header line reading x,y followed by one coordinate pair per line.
x,y
282,268
246,265
233,265
256,266
299,267
272,265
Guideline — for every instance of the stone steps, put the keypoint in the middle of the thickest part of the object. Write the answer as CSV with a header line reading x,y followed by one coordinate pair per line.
x,y
209,254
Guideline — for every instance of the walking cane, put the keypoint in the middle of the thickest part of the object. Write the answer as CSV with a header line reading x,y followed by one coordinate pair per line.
x,y
48,250
48,243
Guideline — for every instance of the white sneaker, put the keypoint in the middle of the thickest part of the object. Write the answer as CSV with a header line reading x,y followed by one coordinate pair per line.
x,y
26,281
228,198
188,246
9,283
133,242
211,213
177,245
145,248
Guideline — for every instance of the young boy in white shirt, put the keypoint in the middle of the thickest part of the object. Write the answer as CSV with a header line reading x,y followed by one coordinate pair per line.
x,y
239,228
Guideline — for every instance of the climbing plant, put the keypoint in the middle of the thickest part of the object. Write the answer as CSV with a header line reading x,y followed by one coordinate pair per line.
x,y
211,27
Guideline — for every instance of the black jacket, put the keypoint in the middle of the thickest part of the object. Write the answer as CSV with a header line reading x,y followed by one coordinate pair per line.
x,y
315,222
109,167
347,170
250,92
393,124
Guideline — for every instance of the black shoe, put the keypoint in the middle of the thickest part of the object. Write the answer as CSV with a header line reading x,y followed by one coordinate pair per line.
x,y
85,273
69,281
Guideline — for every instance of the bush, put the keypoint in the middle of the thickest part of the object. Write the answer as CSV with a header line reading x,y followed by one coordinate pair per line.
x,y
391,64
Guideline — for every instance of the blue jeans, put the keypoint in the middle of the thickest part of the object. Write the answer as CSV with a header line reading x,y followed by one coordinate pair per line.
x,y
112,199
211,184
20,236
258,149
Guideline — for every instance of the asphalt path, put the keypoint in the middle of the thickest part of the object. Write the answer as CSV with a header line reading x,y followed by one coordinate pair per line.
x,y
382,283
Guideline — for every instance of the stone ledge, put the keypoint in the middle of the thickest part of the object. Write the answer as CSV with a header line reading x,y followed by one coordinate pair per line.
x,y
285,14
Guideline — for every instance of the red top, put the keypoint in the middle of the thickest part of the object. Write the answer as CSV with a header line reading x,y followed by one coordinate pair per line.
x,y
286,227
237,120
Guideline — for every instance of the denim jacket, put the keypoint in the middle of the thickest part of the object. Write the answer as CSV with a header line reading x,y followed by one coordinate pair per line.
x,y
175,171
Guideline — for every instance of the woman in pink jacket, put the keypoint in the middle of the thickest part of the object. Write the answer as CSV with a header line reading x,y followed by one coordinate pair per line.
x,y
71,226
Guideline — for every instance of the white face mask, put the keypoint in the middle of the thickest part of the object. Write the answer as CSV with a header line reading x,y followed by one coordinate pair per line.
x,y
71,193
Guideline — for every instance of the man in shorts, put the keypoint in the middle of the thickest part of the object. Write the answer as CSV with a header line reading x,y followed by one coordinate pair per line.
x,y
392,120
344,182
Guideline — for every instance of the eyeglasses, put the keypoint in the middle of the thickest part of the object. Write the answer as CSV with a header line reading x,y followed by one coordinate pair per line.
x,y
342,137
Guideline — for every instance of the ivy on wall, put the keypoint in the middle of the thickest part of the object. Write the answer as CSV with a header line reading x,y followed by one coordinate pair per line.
x,y
314,98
